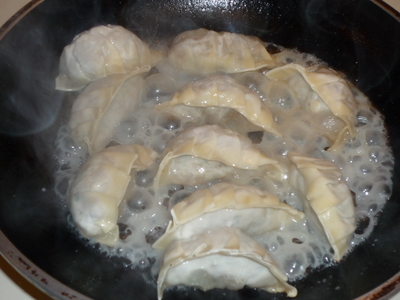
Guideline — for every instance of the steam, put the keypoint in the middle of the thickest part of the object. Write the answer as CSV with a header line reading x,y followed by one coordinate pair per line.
x,y
29,102
353,35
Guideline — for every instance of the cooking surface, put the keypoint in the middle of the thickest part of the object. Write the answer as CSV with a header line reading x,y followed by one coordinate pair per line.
x,y
12,284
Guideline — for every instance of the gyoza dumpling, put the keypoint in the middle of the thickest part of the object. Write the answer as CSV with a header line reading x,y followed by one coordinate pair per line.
x,y
102,51
97,190
245,207
209,143
323,84
207,51
222,91
102,106
320,180
221,258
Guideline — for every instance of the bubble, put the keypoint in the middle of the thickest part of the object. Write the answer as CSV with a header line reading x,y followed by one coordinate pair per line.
x,y
256,136
362,225
310,258
377,154
323,143
385,190
280,96
168,122
61,187
154,234
299,137
68,143
145,178
143,263
373,207
165,202
365,188
139,202
273,247
294,264
124,231
326,259
356,143
316,250
356,159
161,143
127,128
146,124
388,163
374,137
253,80
282,148
273,49
157,131
280,240
366,168
364,117
159,88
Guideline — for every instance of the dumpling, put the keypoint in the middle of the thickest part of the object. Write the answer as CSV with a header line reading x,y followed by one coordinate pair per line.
x,y
207,51
221,258
213,143
320,180
99,187
245,207
102,51
222,91
102,106
190,170
323,84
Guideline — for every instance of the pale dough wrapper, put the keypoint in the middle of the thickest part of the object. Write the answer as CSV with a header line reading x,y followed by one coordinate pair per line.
x,y
99,52
223,91
99,187
245,207
211,142
207,51
221,258
102,105
332,89
329,196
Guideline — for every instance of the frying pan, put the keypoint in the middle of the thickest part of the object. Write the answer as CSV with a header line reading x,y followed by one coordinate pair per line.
x,y
359,38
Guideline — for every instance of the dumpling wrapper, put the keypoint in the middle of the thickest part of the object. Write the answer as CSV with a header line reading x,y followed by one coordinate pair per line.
x,y
206,51
245,207
190,170
102,106
99,187
329,196
223,91
211,142
331,88
99,52
221,258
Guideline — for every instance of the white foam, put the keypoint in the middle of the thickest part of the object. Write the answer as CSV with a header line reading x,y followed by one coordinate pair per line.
x,y
366,163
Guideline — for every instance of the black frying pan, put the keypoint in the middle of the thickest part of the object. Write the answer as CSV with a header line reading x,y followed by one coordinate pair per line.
x,y
357,37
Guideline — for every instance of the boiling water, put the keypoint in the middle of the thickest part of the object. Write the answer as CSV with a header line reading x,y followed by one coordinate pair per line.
x,y
366,163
